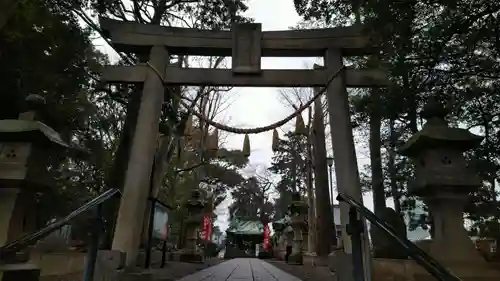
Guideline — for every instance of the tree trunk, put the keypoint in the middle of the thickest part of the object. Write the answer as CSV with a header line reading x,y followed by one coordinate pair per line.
x,y
492,180
311,238
375,155
391,167
324,216
412,102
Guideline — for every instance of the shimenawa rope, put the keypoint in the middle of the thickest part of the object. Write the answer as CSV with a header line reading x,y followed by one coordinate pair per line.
x,y
256,130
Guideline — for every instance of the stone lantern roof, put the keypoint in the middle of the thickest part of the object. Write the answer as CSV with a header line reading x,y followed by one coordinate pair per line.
x,y
30,131
437,133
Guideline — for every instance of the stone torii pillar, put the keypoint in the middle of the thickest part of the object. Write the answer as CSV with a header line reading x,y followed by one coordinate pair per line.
x,y
128,231
346,165
444,181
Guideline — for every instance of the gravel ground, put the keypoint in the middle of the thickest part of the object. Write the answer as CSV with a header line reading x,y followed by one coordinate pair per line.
x,y
67,277
171,272
176,270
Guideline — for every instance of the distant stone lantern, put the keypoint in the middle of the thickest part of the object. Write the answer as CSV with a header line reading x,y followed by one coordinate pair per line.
x,y
444,181
275,141
26,146
298,211
194,206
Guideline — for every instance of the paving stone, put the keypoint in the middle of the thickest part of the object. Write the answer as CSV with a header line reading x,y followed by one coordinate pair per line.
x,y
241,269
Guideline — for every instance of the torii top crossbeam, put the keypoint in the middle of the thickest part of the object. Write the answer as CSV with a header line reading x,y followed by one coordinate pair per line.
x,y
246,44
134,37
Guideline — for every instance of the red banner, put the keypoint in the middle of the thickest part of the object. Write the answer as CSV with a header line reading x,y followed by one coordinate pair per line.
x,y
207,228
267,236
165,232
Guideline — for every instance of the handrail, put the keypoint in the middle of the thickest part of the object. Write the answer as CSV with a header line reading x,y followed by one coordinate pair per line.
x,y
30,238
422,258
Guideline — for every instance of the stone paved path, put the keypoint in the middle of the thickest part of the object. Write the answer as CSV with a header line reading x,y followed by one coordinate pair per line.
x,y
241,270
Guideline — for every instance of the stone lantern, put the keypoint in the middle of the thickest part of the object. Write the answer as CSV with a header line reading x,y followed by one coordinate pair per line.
x,y
26,146
298,211
444,181
194,206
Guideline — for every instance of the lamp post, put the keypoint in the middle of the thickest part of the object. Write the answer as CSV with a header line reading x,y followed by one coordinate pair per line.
x,y
329,162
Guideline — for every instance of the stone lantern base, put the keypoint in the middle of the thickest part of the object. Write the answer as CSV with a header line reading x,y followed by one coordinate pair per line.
x,y
296,259
305,246
310,258
20,271
189,256
191,252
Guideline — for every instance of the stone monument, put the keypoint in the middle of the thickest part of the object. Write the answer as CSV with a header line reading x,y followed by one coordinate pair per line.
x,y
444,182
191,251
26,146
298,211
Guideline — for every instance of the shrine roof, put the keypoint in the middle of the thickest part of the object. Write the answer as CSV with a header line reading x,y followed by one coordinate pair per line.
x,y
284,220
246,227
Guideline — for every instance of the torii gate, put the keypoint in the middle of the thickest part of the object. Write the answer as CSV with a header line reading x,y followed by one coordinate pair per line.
x,y
246,44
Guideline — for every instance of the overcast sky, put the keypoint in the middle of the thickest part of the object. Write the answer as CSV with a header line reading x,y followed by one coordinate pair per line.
x,y
254,107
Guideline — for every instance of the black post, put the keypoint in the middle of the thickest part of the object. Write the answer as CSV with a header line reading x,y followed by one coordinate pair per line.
x,y
163,253
152,203
181,234
149,246
97,226
354,229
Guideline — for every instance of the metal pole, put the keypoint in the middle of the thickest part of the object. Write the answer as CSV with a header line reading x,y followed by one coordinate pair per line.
x,y
163,253
90,261
355,229
149,246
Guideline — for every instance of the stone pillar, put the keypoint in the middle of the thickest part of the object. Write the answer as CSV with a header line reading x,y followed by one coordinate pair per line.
x,y
298,210
128,230
444,181
281,247
346,166
25,147
305,236
191,251
9,224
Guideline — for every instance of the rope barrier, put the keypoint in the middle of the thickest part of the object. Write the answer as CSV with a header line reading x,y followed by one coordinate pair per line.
x,y
256,130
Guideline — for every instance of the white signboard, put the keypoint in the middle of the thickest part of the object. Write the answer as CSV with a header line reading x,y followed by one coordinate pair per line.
x,y
160,222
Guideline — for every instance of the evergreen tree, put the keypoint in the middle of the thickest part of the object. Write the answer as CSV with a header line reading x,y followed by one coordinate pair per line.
x,y
447,49
290,163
